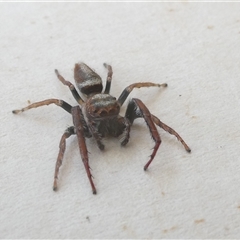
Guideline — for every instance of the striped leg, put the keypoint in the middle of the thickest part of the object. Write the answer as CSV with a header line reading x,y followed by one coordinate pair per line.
x,y
71,87
62,146
128,89
67,107
109,78
77,116
171,131
134,105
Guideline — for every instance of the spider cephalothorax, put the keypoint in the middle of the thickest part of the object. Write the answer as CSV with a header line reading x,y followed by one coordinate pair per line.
x,y
98,115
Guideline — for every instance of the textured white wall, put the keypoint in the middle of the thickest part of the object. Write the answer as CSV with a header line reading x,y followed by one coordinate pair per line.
x,y
194,47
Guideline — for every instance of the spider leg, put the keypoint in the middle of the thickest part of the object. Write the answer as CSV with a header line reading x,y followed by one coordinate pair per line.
x,y
96,135
131,112
171,131
130,115
77,116
140,110
71,87
62,146
109,77
128,89
126,133
67,107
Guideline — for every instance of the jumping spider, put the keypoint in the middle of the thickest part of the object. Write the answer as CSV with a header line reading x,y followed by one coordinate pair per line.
x,y
98,115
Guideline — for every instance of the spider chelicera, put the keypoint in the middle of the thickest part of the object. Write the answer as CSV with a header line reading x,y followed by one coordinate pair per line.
x,y
98,115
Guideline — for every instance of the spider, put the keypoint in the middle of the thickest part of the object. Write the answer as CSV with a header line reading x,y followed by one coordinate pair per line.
x,y
98,115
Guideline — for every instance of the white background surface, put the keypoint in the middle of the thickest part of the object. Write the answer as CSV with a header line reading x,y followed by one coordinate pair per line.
x,y
194,47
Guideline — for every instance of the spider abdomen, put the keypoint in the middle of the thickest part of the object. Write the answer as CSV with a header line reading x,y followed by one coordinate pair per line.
x,y
87,80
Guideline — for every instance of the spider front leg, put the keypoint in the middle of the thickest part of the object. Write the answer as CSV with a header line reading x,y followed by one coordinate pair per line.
x,y
62,146
136,109
126,130
93,126
78,117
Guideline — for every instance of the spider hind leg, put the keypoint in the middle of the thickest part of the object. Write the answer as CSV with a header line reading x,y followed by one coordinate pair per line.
x,y
62,146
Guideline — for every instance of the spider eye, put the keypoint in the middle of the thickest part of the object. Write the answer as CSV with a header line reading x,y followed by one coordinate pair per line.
x,y
112,111
103,113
